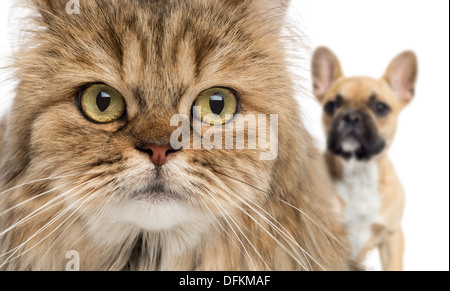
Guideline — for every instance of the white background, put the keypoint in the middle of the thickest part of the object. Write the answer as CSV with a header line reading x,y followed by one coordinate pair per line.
x,y
366,35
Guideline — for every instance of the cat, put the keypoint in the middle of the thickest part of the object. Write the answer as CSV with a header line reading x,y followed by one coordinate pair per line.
x,y
86,167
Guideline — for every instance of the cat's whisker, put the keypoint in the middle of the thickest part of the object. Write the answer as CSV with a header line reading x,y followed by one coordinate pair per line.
x,y
47,206
229,224
251,244
228,234
101,214
40,210
216,222
328,233
50,222
302,212
284,247
54,220
300,262
243,182
283,234
102,210
31,199
36,181
228,168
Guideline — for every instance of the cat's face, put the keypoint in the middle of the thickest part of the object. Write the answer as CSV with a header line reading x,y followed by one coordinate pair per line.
x,y
153,60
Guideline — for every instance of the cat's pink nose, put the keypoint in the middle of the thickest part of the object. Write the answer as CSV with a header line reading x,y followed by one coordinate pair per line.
x,y
158,153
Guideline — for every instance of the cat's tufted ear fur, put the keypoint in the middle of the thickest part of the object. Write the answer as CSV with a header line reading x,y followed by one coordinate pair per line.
x,y
52,6
274,8
52,9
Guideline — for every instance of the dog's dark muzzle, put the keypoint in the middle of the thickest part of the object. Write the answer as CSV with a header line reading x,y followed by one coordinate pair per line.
x,y
359,126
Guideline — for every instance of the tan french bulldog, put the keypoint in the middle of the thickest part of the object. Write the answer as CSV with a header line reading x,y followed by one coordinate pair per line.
x,y
360,119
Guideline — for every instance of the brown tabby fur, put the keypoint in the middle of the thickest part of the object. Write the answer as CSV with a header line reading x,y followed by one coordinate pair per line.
x,y
63,177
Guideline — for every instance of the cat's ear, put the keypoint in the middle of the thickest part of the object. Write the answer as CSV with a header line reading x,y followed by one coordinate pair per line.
x,y
272,8
326,69
401,75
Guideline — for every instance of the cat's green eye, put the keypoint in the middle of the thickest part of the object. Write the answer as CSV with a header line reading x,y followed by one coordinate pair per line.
x,y
216,106
101,103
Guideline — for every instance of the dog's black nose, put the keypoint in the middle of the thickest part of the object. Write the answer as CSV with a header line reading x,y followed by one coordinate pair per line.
x,y
353,118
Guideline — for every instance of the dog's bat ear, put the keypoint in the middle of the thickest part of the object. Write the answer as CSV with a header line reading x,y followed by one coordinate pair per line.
x,y
402,74
326,69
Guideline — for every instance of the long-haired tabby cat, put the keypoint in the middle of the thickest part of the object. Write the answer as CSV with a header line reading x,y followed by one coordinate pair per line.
x,y
86,164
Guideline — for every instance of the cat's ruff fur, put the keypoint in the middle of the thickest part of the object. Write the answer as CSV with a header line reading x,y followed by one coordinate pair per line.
x,y
66,183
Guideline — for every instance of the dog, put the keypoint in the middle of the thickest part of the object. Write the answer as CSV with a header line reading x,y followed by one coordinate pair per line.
x,y
360,119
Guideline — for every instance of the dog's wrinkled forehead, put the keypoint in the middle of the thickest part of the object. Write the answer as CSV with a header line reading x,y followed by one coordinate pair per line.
x,y
359,92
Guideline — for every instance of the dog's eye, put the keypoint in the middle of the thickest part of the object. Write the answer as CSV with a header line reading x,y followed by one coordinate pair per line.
x,y
381,109
101,103
331,108
215,106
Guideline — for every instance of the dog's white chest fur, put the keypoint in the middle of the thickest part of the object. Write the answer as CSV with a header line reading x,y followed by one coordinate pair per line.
x,y
359,189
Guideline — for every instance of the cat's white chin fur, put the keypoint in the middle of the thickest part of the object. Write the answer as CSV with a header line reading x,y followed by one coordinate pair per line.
x,y
159,216
180,226
156,216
